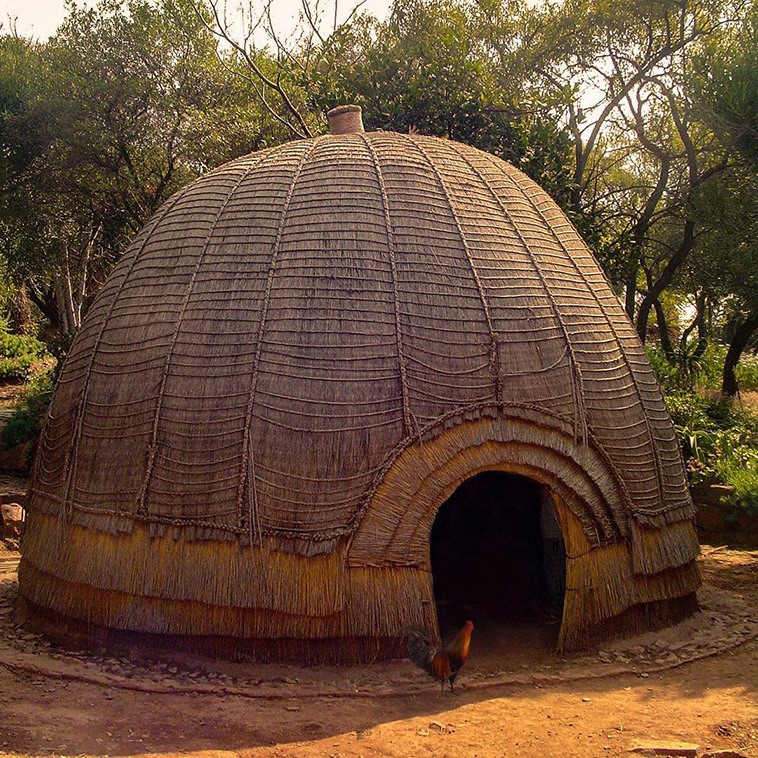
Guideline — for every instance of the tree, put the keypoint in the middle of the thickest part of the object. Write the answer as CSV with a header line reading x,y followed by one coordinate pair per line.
x,y
431,68
623,68
136,101
727,95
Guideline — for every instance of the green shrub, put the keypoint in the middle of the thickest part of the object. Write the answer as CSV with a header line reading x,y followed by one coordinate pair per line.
x,y
747,372
20,355
742,476
688,370
26,421
719,443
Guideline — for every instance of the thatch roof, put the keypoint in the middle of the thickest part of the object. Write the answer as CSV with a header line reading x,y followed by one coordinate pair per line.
x,y
291,333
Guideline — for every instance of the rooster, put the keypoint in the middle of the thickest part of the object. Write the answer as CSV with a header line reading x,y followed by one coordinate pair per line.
x,y
443,664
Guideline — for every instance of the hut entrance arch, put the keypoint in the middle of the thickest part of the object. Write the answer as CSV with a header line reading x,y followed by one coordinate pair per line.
x,y
497,557
497,553
393,535
393,527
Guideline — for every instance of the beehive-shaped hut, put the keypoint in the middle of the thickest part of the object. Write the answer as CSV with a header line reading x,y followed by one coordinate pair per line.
x,y
300,358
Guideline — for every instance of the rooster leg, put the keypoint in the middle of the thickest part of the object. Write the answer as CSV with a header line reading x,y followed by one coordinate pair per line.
x,y
442,687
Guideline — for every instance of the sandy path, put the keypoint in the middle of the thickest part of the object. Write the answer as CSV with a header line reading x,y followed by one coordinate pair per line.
x,y
712,701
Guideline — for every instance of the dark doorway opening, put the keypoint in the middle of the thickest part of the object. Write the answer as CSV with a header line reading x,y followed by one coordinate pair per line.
x,y
498,559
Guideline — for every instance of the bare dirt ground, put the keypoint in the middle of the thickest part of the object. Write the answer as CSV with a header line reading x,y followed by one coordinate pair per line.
x,y
749,401
697,682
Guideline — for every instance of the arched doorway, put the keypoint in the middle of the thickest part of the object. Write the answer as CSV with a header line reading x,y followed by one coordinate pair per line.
x,y
498,559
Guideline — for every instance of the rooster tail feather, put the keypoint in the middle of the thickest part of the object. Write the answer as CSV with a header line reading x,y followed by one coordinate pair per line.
x,y
421,649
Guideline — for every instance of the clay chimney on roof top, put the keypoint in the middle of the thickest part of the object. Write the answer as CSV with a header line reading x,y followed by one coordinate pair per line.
x,y
345,119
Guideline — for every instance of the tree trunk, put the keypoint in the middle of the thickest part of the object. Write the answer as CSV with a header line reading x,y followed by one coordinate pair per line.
x,y
64,315
702,330
45,301
741,337
663,330
699,323
666,277
630,299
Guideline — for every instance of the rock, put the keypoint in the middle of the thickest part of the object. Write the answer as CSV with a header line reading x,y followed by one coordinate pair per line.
x,y
711,494
18,459
12,495
437,726
13,520
664,747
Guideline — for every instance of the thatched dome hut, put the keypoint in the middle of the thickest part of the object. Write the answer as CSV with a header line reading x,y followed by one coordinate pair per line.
x,y
301,357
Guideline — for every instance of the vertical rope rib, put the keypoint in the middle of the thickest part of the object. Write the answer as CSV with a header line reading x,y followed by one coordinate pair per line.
x,y
247,467
580,413
493,353
549,226
407,428
70,462
153,446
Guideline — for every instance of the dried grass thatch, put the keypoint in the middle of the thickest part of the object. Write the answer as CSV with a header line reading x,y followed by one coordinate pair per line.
x,y
300,357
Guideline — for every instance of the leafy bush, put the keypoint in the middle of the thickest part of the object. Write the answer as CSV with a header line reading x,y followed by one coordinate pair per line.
x,y
689,370
20,355
26,421
719,443
744,482
747,372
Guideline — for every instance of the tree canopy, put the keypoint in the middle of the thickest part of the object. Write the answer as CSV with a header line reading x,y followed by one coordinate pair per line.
x,y
640,117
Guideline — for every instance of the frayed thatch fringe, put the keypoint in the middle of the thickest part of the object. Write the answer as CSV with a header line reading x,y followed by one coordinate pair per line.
x,y
673,582
644,617
67,632
217,574
119,610
601,582
655,550
381,602
327,600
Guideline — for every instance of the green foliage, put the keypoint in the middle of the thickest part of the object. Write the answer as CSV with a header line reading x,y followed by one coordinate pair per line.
x,y
683,370
20,355
747,372
742,476
719,443
718,439
726,85
26,421
689,371
436,68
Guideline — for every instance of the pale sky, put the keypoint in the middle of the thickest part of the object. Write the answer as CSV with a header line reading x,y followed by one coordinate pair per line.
x,y
40,18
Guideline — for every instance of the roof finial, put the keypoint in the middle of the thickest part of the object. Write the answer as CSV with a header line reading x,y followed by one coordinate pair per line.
x,y
345,119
